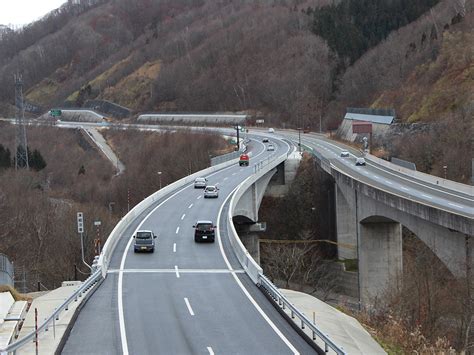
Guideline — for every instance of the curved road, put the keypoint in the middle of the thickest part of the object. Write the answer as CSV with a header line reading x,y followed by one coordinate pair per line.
x,y
186,298
443,198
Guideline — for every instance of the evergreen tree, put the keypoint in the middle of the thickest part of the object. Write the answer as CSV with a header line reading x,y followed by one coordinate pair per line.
x,y
351,27
36,160
5,157
82,170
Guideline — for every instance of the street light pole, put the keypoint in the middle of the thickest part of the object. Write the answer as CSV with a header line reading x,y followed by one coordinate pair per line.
x,y
159,176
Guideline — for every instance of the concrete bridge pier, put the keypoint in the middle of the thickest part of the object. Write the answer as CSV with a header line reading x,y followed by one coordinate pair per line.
x,y
380,257
346,224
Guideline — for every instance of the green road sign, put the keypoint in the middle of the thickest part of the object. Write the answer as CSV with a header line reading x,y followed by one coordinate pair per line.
x,y
55,113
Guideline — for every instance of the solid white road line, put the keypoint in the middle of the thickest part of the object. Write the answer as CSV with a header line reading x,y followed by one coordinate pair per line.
x,y
189,306
184,215
211,352
177,230
242,287
199,197
174,247
191,205
177,271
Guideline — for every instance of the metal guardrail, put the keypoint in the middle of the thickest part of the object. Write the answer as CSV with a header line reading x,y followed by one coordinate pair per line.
x,y
50,321
283,302
6,271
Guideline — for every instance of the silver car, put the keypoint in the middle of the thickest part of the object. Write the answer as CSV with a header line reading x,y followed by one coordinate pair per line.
x,y
271,147
344,153
200,183
211,192
360,161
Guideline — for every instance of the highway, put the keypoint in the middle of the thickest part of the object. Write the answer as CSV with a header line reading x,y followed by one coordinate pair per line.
x,y
186,297
424,192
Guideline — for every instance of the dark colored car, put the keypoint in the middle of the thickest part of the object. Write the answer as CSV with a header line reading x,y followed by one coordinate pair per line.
x,y
244,160
144,240
204,231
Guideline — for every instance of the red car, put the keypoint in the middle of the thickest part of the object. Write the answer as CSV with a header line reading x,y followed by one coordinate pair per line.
x,y
244,160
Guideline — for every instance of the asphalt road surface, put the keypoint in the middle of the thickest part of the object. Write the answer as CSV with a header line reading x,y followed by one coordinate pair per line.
x,y
186,297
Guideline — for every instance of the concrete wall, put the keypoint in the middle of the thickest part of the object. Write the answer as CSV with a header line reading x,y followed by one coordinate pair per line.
x,y
345,130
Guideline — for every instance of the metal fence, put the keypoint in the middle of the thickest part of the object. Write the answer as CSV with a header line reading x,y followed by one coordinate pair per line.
x,y
6,271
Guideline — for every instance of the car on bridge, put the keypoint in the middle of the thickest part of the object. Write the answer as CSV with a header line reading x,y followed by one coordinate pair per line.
x,y
200,183
211,192
271,148
144,240
204,231
344,154
265,140
244,159
360,161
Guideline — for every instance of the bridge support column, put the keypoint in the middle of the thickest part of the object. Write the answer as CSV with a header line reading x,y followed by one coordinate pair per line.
x,y
380,260
346,225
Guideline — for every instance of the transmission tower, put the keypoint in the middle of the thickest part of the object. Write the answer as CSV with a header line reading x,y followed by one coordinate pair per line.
x,y
21,148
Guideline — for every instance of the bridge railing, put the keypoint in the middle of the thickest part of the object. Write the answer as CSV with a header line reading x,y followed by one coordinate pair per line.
x,y
267,286
253,270
85,287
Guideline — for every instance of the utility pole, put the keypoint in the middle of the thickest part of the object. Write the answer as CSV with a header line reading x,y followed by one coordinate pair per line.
x,y
21,148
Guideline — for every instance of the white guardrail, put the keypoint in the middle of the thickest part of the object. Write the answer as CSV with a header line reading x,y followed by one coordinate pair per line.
x,y
254,271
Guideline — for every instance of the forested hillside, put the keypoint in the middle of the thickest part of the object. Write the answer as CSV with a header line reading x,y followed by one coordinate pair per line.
x,y
291,61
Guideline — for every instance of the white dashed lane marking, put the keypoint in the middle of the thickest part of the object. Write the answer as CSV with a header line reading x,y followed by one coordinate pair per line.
x,y
191,312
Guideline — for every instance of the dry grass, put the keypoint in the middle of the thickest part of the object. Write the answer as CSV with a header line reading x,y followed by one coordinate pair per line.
x,y
395,338
17,296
